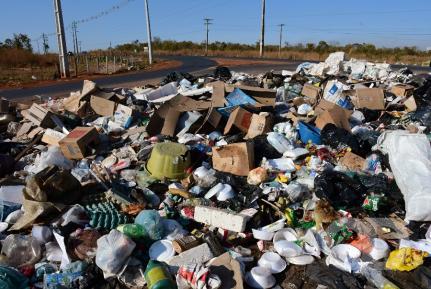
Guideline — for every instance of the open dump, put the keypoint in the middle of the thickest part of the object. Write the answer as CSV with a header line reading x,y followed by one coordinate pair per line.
x,y
314,178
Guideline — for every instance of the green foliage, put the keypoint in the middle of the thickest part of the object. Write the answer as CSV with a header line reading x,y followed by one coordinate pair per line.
x,y
19,41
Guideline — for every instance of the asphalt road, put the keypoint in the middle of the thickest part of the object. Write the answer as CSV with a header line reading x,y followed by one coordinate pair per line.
x,y
193,64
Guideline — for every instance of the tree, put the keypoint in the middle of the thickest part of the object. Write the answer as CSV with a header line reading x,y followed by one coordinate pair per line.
x,y
19,41
322,47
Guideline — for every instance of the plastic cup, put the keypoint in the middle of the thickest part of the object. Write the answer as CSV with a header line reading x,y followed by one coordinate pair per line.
x,y
287,248
380,249
260,277
273,262
161,251
262,235
226,193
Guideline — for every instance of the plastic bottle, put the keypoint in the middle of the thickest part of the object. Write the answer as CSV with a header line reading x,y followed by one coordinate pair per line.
x,y
377,278
134,231
158,277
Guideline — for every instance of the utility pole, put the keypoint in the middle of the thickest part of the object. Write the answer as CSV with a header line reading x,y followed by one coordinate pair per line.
x,y
150,48
262,32
281,38
75,47
45,43
207,24
62,55
75,38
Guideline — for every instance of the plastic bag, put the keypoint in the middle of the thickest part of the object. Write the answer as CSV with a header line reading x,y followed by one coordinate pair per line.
x,y
152,222
11,278
51,157
405,259
112,252
21,250
337,138
339,189
410,161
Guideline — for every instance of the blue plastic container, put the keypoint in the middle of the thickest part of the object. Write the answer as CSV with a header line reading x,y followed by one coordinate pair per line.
x,y
309,133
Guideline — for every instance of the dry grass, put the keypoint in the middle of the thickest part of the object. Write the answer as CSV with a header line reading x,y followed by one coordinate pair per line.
x,y
300,55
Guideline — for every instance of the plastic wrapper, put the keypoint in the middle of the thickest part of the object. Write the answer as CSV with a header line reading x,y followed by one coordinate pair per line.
x,y
112,252
21,250
405,259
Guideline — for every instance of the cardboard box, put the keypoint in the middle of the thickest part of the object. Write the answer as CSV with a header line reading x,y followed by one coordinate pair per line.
x,y
24,129
311,91
52,137
403,90
239,118
237,158
328,112
75,145
352,162
371,98
260,124
263,96
38,115
221,218
164,120
102,106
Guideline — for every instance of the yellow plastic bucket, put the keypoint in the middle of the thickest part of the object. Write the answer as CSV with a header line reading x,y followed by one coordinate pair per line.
x,y
168,160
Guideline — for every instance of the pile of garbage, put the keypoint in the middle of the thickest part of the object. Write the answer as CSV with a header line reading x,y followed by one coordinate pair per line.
x,y
314,178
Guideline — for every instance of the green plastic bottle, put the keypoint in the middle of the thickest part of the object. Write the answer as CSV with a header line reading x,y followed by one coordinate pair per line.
x,y
134,231
158,277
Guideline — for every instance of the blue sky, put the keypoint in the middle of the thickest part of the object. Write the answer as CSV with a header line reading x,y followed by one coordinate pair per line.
x,y
382,22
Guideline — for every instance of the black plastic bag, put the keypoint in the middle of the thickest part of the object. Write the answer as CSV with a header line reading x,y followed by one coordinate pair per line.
x,y
339,189
333,277
177,76
423,115
222,72
374,183
337,137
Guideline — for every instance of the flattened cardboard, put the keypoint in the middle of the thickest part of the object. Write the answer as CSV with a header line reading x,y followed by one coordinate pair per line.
x,y
38,115
52,137
310,91
352,162
102,106
225,266
410,104
237,158
328,112
260,124
24,129
218,95
239,118
215,118
75,144
403,90
371,98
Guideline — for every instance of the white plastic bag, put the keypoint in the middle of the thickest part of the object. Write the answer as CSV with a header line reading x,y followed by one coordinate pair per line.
x,y
53,156
410,160
113,250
